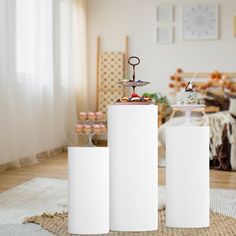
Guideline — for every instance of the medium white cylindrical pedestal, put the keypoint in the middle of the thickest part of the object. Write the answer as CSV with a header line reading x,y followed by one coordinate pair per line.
x,y
187,177
132,139
88,193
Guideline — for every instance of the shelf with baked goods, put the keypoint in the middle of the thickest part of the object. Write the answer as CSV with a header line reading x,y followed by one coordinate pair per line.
x,y
90,131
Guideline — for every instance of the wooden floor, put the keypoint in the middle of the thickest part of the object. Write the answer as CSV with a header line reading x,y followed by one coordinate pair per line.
x,y
56,167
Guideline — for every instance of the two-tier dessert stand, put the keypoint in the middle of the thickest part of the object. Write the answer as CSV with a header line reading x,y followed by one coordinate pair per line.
x,y
90,135
133,83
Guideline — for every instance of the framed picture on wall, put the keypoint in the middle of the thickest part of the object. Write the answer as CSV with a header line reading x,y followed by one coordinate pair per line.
x,y
201,21
164,34
164,13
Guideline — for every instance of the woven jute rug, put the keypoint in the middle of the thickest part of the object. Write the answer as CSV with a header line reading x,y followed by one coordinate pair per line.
x,y
220,225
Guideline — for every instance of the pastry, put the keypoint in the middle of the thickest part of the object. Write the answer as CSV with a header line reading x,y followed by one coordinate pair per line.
x,y
91,115
87,129
123,99
78,128
103,128
134,95
135,98
99,115
146,99
96,128
82,115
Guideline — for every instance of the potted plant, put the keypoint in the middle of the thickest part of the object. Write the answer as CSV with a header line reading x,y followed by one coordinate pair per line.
x,y
159,100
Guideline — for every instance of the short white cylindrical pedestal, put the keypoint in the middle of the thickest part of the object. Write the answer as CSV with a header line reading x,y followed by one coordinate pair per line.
x,y
132,139
88,193
187,177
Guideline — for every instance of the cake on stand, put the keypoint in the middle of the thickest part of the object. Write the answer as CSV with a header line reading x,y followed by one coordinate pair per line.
x,y
187,101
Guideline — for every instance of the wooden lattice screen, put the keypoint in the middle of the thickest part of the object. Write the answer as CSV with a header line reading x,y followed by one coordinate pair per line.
x,y
110,73
111,68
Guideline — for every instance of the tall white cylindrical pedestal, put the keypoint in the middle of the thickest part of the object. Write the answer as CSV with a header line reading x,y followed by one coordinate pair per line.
x,y
88,193
187,177
132,139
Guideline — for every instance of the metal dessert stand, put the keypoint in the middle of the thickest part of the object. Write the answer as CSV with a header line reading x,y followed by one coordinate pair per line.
x,y
90,137
134,61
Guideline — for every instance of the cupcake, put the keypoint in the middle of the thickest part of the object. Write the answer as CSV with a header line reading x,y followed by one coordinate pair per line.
x,y
78,128
91,115
82,115
99,115
96,128
146,99
135,98
87,129
103,128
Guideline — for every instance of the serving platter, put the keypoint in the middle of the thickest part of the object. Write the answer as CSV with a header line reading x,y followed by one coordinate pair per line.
x,y
133,83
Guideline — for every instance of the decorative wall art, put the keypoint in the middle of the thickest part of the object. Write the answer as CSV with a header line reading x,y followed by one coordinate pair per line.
x,y
165,34
164,13
201,21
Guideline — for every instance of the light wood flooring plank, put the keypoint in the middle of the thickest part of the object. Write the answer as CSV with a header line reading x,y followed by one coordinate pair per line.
x,y
56,167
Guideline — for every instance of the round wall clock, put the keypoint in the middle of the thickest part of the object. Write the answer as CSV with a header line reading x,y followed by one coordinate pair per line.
x,y
200,21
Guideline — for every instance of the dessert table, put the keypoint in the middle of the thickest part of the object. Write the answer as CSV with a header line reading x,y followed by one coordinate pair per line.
x,y
132,141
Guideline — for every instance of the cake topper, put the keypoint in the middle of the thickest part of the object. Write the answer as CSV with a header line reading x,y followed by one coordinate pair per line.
x,y
189,87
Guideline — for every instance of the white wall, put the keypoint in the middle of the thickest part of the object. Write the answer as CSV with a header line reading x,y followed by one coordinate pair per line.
x,y
113,19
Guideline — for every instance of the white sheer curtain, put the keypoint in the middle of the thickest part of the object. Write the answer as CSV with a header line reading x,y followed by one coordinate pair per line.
x,y
39,76
80,55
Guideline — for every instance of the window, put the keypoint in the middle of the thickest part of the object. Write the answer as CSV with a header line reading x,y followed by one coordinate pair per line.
x,y
34,35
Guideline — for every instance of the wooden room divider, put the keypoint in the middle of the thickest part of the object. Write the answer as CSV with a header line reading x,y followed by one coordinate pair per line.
x,y
111,68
